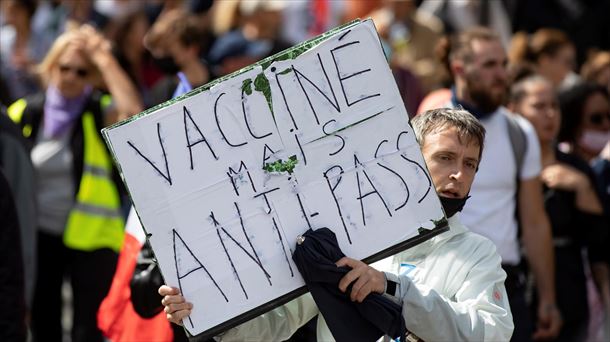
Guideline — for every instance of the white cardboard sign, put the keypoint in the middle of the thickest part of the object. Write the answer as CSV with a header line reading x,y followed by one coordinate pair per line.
x,y
223,228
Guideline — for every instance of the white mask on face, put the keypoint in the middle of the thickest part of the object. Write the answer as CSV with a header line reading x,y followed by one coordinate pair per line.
x,y
594,140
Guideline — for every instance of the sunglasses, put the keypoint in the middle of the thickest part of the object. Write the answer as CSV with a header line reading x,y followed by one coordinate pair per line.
x,y
80,72
598,118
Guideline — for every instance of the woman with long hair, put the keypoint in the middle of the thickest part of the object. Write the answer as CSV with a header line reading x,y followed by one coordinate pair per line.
x,y
571,202
80,226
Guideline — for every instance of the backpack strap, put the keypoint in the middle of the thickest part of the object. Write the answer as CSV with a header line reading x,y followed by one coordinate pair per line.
x,y
518,141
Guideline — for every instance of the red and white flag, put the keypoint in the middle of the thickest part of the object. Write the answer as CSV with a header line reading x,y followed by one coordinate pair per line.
x,y
116,316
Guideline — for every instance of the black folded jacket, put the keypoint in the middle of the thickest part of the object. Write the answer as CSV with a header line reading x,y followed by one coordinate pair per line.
x,y
375,317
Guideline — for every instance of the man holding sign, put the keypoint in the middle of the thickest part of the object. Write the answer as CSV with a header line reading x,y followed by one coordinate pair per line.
x,y
450,287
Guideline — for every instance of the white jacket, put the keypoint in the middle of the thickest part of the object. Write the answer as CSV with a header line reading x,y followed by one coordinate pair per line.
x,y
451,288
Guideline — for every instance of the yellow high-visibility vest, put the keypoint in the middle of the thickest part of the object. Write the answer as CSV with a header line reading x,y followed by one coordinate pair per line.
x,y
95,220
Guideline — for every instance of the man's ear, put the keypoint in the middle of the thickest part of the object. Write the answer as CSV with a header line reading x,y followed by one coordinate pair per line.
x,y
457,68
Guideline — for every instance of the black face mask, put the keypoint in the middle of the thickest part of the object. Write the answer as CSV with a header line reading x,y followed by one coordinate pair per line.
x,y
453,205
167,65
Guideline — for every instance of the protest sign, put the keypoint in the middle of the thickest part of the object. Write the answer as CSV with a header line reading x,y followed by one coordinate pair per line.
x,y
225,178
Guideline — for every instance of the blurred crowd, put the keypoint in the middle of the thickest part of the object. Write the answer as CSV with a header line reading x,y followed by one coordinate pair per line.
x,y
71,67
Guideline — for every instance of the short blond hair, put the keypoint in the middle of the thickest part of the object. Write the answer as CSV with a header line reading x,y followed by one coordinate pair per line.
x,y
60,45
468,127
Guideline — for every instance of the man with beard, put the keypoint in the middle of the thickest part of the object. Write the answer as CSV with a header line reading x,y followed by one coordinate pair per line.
x,y
450,288
506,197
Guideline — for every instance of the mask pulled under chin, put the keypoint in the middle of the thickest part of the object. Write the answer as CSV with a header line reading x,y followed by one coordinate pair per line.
x,y
453,205
594,140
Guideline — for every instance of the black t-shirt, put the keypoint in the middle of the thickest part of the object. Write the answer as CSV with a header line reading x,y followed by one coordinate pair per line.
x,y
567,221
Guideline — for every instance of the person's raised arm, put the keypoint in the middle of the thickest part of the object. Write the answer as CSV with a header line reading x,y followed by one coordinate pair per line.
x,y
124,94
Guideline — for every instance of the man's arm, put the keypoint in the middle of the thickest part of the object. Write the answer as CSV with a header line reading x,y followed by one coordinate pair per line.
x,y
479,310
536,237
276,325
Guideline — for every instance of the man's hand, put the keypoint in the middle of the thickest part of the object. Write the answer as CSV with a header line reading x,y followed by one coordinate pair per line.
x,y
366,279
549,322
176,307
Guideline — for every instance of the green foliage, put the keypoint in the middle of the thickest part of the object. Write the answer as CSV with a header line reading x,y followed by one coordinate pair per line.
x,y
261,83
282,166
246,86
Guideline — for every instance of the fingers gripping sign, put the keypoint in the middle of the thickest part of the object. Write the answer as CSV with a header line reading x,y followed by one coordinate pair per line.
x,y
364,279
175,306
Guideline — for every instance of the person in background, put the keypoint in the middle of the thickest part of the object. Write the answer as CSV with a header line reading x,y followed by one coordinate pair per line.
x,y
571,202
80,227
456,275
585,128
409,40
506,197
12,291
303,20
17,167
596,69
20,47
550,51
255,36
179,39
585,131
601,168
54,17
412,38
458,16
128,35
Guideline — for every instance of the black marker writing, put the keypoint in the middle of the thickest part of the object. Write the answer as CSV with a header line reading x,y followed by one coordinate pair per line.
x,y
264,194
243,109
279,84
345,34
301,149
343,79
379,146
303,211
425,174
332,192
255,258
336,135
232,175
374,191
167,177
300,75
190,144
265,155
403,182
181,276
283,247
398,139
218,124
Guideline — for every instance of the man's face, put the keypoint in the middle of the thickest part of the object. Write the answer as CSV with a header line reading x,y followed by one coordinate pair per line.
x,y
486,75
452,163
